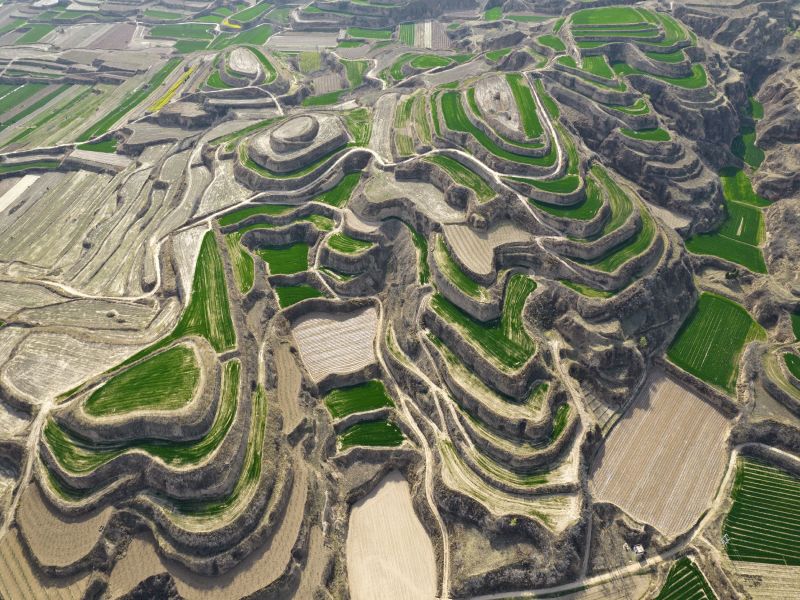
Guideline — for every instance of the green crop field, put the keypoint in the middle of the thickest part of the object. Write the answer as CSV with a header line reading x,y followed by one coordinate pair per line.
x,y
583,210
355,70
528,18
464,176
129,102
597,65
650,135
19,95
321,222
763,524
792,363
35,33
371,433
711,340
252,13
493,14
457,120
795,317
359,124
309,62
407,33
526,106
506,340
242,261
366,396
667,57
640,107
629,249
744,146
163,14
34,106
78,456
586,290
453,271
342,242
713,244
608,15
698,78
339,194
215,81
619,202
109,146
422,252
685,581
252,210
429,61
375,34
549,104
269,68
496,55
324,99
285,260
736,186
292,294
165,381
552,41
560,419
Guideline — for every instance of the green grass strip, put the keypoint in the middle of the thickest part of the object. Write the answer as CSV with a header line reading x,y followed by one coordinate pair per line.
x,y
685,581
242,261
526,106
464,176
371,433
339,194
650,135
292,294
341,242
363,397
285,260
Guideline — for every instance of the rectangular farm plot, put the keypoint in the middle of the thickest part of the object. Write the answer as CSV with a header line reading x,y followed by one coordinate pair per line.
x,y
336,343
711,340
664,459
363,397
285,260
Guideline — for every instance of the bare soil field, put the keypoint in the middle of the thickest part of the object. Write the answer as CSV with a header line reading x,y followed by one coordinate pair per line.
x,y
243,61
425,196
381,140
341,343
389,554
116,38
54,539
19,188
288,387
768,582
295,41
476,249
327,83
19,580
664,459
255,572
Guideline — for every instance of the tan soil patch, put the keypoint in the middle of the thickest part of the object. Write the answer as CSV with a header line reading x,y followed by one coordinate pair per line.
x,y
288,387
768,582
664,459
331,343
389,554
476,249
55,539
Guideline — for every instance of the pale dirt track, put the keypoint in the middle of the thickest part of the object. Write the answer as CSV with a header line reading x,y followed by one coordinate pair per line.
x,y
664,459
389,554
288,387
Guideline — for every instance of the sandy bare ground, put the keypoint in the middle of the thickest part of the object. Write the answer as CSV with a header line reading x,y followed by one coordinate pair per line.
x,y
341,343
389,554
54,539
293,41
476,248
288,387
424,196
255,572
625,588
20,187
117,38
327,83
18,580
380,141
664,459
243,61
496,101
768,582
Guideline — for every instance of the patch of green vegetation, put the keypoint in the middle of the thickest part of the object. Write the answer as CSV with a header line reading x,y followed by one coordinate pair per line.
x,y
685,581
552,41
628,249
763,524
560,420
736,187
309,62
35,33
451,269
698,78
493,14
363,397
371,433
130,101
325,99
162,14
341,242
285,260
527,18
792,363
252,210
17,96
251,14
667,57
506,341
607,15
373,34
191,31
165,381
597,65
256,36
355,70
586,290
496,55
558,24
49,165
754,108
351,44
724,247
549,104
795,317
407,33
640,107
429,61
457,120
650,135
242,260
269,68
109,146
583,210
336,274
711,339
189,46
339,194
80,456
34,106
464,176
292,294
562,185
11,26
321,222
744,146
215,81
526,106
422,254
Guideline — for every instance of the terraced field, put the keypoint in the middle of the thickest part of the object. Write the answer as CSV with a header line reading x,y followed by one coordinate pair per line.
x,y
762,525
711,340
371,433
285,260
685,581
